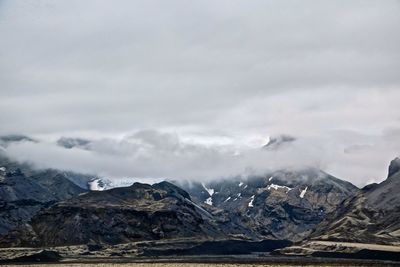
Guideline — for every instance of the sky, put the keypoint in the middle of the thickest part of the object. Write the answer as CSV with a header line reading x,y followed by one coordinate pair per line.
x,y
194,89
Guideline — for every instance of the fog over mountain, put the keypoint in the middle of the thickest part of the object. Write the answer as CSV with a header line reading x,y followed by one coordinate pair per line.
x,y
194,90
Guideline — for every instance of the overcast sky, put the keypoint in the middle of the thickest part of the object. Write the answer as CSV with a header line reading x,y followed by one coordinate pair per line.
x,y
193,88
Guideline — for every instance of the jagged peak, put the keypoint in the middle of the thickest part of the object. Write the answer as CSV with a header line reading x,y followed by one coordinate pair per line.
x,y
394,166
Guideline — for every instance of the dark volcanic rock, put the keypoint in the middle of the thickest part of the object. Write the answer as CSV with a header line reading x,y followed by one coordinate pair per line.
x,y
372,216
22,195
43,256
394,167
280,205
57,183
120,215
20,199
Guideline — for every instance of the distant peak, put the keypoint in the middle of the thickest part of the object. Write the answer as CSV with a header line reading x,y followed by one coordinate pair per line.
x,y
277,141
13,138
394,166
68,142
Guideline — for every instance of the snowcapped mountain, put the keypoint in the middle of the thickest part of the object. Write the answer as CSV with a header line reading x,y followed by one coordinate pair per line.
x,y
279,205
290,205
282,204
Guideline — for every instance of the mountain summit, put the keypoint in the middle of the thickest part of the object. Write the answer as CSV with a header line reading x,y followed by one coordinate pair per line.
x,y
394,166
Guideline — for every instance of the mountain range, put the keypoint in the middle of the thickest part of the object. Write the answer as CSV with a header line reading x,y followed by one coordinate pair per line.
x,y
289,211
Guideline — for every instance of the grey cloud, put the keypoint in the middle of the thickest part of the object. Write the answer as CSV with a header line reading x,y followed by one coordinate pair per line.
x,y
151,155
212,72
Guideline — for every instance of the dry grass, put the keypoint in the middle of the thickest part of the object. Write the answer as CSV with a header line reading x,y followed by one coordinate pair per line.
x,y
358,245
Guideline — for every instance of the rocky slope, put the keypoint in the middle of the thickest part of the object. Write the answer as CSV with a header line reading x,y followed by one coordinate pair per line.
x,y
372,216
280,205
23,192
120,215
283,205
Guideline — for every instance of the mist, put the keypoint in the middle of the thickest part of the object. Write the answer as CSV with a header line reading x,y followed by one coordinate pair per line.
x,y
152,156
194,90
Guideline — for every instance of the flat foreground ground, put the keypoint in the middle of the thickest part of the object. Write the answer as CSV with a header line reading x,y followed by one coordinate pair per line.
x,y
197,265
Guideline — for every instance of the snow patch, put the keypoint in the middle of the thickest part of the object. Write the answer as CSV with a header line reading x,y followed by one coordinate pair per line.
x,y
303,192
227,199
96,185
210,191
209,201
240,184
239,195
3,169
251,201
121,183
245,186
276,187
270,178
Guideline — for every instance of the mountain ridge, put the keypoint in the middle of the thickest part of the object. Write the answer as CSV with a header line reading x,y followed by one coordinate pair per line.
x,y
371,216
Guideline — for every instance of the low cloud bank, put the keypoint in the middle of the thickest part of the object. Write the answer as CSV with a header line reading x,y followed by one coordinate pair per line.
x,y
151,155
